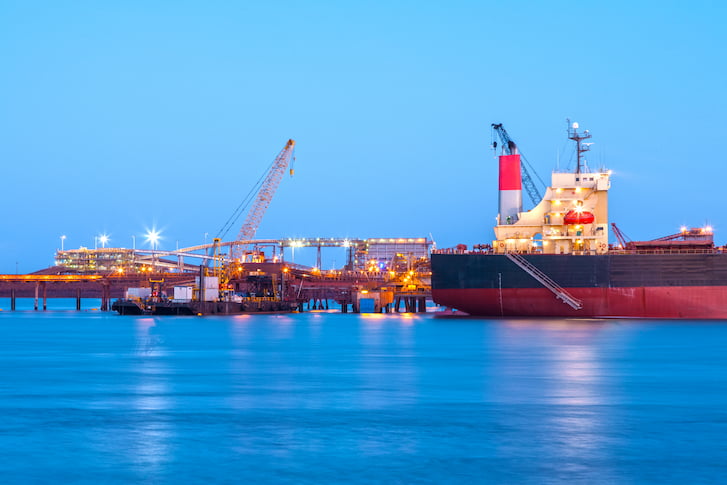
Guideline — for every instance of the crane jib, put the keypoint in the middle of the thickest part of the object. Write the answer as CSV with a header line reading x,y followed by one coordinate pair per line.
x,y
265,195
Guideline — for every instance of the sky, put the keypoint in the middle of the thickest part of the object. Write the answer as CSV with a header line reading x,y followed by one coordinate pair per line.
x,y
119,117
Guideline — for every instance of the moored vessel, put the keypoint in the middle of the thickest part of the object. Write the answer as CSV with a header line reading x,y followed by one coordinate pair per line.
x,y
555,259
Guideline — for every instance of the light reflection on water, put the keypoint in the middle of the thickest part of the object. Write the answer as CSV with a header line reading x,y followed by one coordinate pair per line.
x,y
151,438
324,396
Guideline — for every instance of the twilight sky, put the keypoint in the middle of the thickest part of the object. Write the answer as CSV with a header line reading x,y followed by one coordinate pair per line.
x,y
116,117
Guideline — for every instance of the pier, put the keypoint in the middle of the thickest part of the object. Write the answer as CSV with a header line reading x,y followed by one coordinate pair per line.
x,y
379,275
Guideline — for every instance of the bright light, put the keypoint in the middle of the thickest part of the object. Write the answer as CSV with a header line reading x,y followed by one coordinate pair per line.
x,y
103,239
708,229
152,237
683,229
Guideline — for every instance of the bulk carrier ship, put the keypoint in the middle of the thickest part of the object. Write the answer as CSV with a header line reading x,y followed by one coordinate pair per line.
x,y
555,260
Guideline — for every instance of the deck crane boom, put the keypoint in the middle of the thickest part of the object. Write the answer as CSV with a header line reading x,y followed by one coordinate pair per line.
x,y
510,148
264,196
623,239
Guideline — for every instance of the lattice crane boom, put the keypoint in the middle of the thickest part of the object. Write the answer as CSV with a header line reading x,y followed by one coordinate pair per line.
x,y
266,193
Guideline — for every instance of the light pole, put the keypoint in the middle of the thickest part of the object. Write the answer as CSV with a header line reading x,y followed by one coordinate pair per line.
x,y
104,239
133,253
152,237
63,238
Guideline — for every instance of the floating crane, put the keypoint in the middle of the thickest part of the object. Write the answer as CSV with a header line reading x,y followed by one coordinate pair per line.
x,y
266,188
510,148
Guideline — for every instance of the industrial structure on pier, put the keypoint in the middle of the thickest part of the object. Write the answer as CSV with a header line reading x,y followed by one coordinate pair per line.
x,y
245,274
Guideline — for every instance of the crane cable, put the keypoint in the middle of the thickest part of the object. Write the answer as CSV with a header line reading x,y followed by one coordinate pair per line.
x,y
242,208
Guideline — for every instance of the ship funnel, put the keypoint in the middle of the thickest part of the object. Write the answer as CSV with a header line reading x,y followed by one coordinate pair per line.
x,y
511,194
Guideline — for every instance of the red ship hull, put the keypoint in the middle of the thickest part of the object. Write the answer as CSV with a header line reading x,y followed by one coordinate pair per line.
x,y
696,302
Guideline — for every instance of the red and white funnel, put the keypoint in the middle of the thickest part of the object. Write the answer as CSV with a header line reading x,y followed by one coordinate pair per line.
x,y
511,193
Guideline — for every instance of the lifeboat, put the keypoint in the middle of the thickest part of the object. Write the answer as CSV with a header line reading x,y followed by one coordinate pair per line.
x,y
576,217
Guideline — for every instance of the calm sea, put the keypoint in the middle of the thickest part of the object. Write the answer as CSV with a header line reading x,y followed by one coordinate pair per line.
x,y
91,397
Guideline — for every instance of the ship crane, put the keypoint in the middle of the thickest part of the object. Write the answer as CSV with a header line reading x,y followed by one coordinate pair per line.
x,y
691,234
623,240
510,148
267,187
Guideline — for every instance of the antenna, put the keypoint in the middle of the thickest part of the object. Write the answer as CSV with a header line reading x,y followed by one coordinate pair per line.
x,y
578,138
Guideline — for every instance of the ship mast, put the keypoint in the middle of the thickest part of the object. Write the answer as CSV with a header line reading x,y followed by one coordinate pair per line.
x,y
580,147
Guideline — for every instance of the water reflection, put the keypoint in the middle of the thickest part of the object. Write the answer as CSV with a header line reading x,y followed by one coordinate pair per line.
x,y
559,366
151,436
388,378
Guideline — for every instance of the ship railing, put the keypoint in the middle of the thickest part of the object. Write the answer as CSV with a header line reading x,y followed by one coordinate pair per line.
x,y
475,250
719,250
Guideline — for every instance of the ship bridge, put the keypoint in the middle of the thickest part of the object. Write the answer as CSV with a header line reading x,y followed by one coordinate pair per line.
x,y
571,218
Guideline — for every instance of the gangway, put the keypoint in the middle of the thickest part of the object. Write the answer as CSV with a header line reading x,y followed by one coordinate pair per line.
x,y
544,280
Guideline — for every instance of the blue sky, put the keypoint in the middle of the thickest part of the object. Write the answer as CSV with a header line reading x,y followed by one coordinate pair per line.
x,y
119,116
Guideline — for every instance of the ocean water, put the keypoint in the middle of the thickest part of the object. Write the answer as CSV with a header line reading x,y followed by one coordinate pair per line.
x,y
92,397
